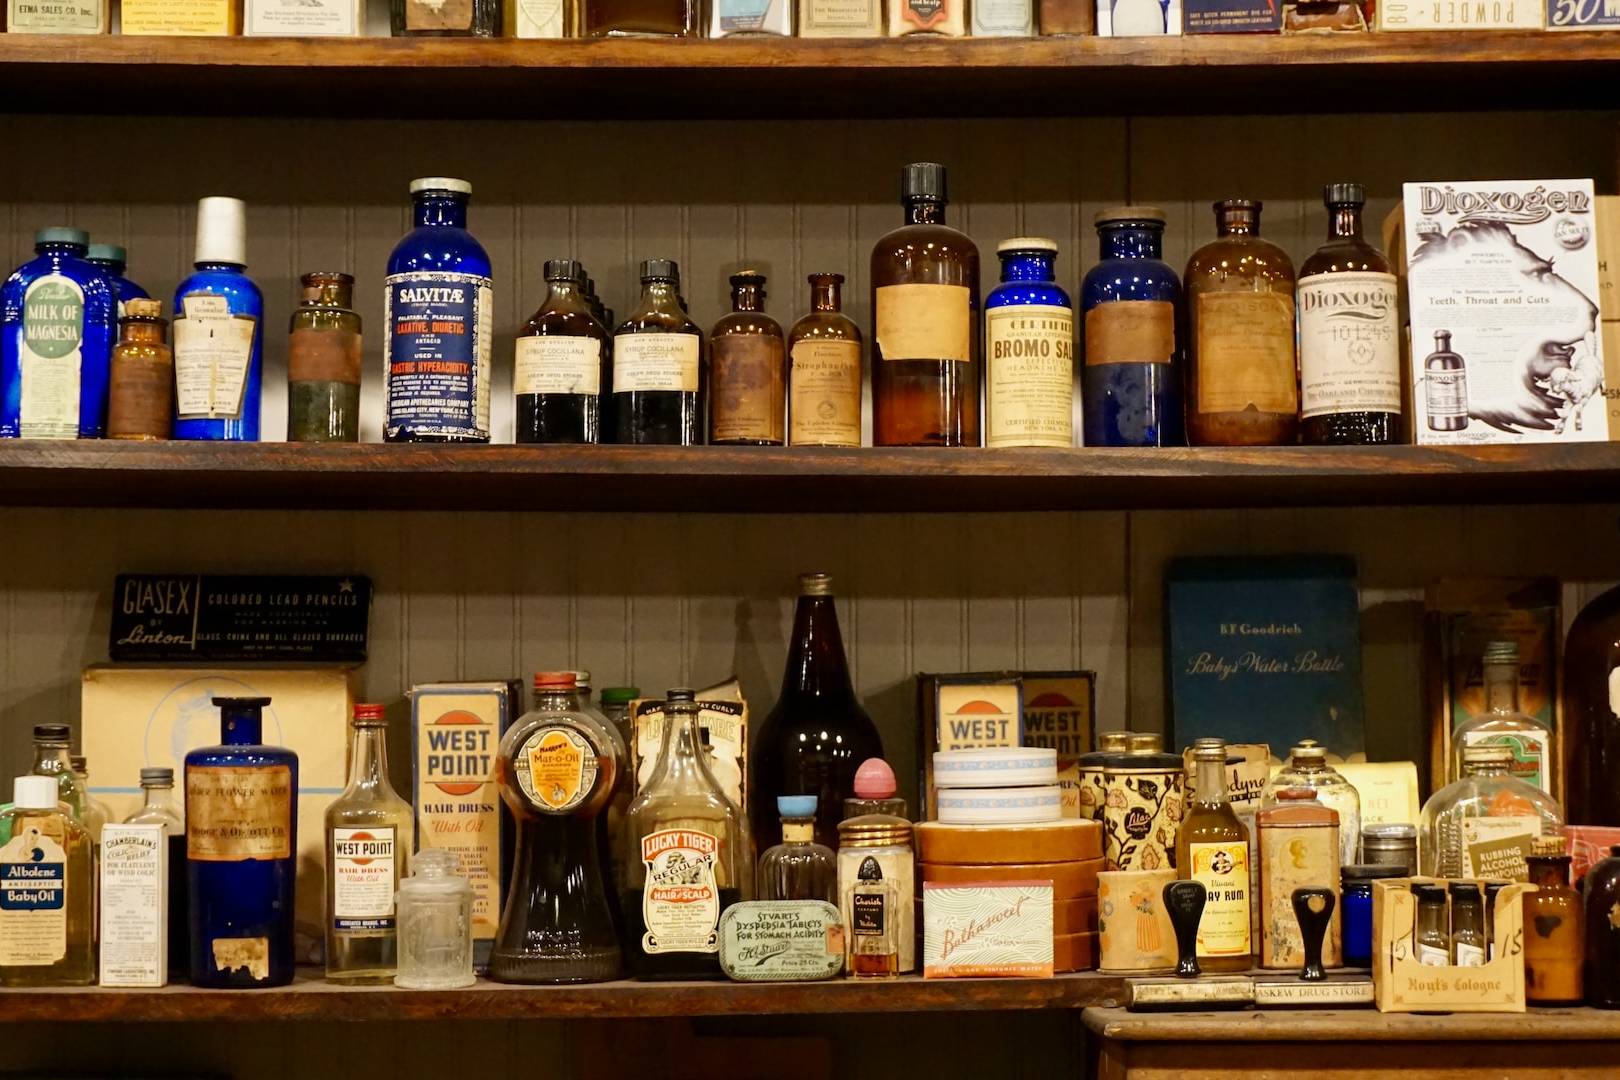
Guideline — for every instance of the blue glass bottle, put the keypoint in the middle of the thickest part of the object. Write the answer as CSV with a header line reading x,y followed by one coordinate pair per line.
x,y
438,312
241,852
58,324
1028,350
1130,383
113,260
218,332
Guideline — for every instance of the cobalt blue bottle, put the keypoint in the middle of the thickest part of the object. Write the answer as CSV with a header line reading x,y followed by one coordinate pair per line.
x,y
438,309
241,852
58,324
1129,384
1028,350
112,260
218,332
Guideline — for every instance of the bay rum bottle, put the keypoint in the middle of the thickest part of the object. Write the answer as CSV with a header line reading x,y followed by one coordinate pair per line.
x,y
1242,389
824,371
925,305
747,370
1212,847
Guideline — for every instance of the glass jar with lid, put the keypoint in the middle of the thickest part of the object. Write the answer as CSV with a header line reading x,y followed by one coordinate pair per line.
x,y
1390,844
887,839
434,908
1307,767
1464,825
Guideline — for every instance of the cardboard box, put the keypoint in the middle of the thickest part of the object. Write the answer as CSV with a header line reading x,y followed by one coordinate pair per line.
x,y
1139,18
1588,845
1232,16
183,18
133,905
1401,984
1608,250
305,18
1388,790
135,716
1582,15
1059,710
1397,15
991,929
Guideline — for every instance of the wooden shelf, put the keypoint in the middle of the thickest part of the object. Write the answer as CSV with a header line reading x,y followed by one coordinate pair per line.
x,y
638,78
704,479
310,998
1353,1025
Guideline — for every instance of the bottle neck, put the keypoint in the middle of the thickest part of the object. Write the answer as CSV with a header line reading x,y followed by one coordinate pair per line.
x,y
1344,222
368,756
144,331
1549,873
798,831
747,298
1028,266
51,758
240,727
218,266
681,760
1130,241
824,296
441,209
564,292
555,699
661,295
925,211
816,666
1502,688
156,797
111,269
1237,223
1209,783
59,251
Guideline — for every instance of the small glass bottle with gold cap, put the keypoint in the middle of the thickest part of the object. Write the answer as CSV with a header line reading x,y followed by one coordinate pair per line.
x,y
323,362
1307,767
140,401
876,867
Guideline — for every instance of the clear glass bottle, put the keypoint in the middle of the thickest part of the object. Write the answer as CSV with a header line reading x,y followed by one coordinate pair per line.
x,y
562,361
1307,767
158,807
53,757
113,260
686,860
1467,925
140,399
642,18
1349,334
1029,349
824,371
1554,929
1212,847
435,924
454,18
1242,387
47,907
1432,938
323,362
96,813
874,931
798,868
1488,805
218,332
1592,713
616,701
747,370
659,378
1445,386
370,834
925,311
559,766
1535,752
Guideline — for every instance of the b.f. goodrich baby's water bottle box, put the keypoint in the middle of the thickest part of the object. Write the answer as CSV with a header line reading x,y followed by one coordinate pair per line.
x,y
1502,277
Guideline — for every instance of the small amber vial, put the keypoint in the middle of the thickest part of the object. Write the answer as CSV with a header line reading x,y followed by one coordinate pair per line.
x,y
140,401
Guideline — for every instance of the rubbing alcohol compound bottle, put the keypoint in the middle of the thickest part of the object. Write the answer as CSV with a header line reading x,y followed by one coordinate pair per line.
x,y
218,332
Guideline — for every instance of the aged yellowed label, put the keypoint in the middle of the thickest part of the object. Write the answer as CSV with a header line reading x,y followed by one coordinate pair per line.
x,y
824,390
1498,847
235,813
745,388
457,804
1246,352
680,902
250,954
34,894
971,715
925,322
1295,858
557,365
1131,332
438,14
656,362
1029,357
1223,869
213,350
556,768
184,17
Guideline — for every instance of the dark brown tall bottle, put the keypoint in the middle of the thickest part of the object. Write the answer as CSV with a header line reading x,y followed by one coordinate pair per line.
x,y
925,309
747,370
1242,389
824,371
1591,700
658,373
818,734
561,363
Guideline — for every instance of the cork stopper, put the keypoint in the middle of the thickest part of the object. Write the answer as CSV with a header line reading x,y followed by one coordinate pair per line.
x,y
143,308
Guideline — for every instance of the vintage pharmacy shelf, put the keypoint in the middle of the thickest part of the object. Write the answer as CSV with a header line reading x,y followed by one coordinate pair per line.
x,y
311,998
1302,1025
697,479
886,77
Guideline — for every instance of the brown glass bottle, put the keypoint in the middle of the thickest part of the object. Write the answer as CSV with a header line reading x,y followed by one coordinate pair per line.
x,y
451,18
1591,710
1349,335
747,370
323,362
1242,389
817,734
642,18
658,370
925,310
140,398
561,363
824,371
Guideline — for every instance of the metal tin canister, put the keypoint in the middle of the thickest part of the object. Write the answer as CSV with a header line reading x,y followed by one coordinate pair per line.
x,y
1091,771
1134,928
1143,793
1390,845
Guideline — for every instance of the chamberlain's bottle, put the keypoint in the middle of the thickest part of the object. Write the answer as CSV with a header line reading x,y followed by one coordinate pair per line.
x,y
1028,350
438,317
218,332
241,852
1130,385
561,363
58,321
815,738
659,378
158,807
113,260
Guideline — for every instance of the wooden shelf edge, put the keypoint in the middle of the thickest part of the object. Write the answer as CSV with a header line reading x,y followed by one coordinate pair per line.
x,y
1352,1025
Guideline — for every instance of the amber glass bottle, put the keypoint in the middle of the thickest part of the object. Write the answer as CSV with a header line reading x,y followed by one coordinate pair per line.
x,y
140,401
925,307
1212,847
658,371
747,370
1592,713
824,371
1554,929
561,363
1241,385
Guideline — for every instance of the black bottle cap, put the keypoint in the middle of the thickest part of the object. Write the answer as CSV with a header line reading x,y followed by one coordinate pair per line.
x,y
1465,892
1344,194
241,702
681,694
923,180
871,870
51,732
564,270
660,270
744,279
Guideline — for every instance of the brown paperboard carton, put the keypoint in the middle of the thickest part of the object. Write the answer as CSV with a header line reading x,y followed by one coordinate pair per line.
x,y
1401,984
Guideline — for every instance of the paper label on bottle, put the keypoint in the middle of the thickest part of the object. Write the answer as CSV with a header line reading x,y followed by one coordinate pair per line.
x,y
436,354
1223,868
558,365
1003,18
656,362
250,955
1349,344
870,910
50,355
745,388
1029,356
57,17
212,352
364,877
1298,857
1245,352
1614,691
1432,956
1529,752
324,356
539,19
33,897
556,769
1131,332
1497,848
304,18
825,393
238,812
133,913
680,901
825,16
1470,955
925,322
438,14
925,15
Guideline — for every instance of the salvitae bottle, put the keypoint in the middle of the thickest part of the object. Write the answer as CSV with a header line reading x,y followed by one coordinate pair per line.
x,y
218,332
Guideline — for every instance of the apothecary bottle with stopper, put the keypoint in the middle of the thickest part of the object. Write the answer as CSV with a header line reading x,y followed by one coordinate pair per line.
x,y
323,361
435,924
659,381
218,332
824,371
798,868
747,370
1028,349
561,363
140,400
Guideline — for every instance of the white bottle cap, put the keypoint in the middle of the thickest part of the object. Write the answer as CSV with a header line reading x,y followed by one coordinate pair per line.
x,y
35,793
440,183
222,230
